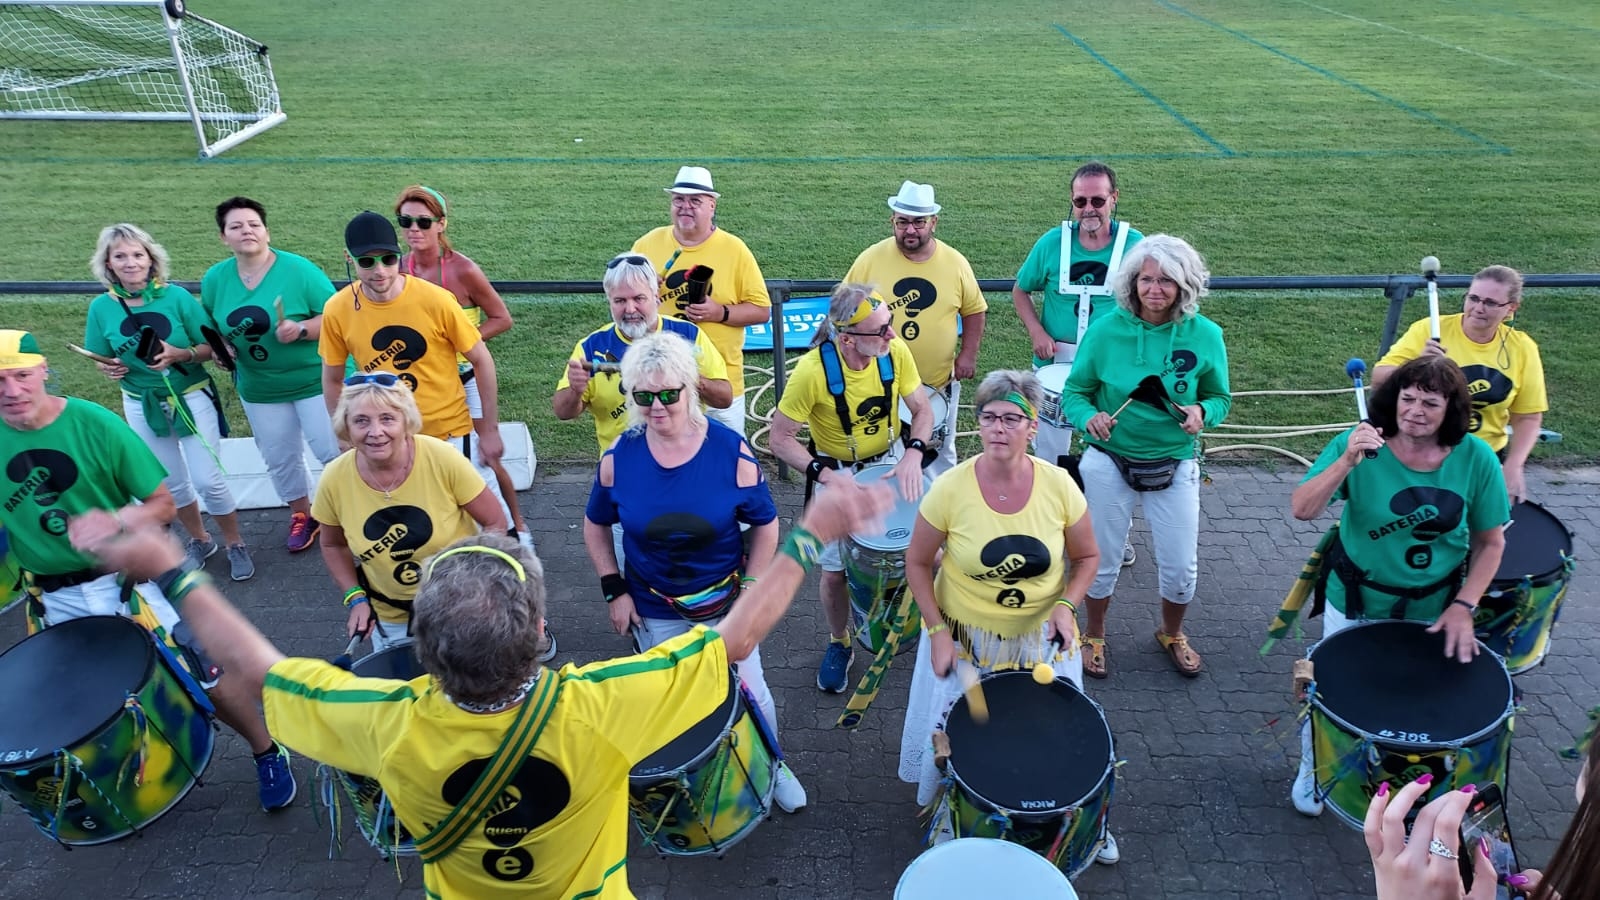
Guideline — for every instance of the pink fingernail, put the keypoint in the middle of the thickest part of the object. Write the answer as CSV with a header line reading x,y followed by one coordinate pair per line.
x,y
1517,881
1469,789
1483,847
1426,779
1383,789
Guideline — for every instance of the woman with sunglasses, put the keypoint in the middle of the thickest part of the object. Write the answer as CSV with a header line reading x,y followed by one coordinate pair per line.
x,y
391,501
153,329
1019,554
681,485
1501,364
1146,380
421,212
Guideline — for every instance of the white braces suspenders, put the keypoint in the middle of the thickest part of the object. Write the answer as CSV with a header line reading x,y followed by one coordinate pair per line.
x,y
1087,291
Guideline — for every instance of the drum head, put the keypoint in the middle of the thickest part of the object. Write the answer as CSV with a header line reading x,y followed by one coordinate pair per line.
x,y
1392,680
1053,377
688,747
975,867
1044,748
895,535
936,400
396,662
65,683
1534,544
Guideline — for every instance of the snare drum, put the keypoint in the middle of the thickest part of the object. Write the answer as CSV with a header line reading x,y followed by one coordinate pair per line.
x,y
100,732
875,569
375,818
1053,378
941,415
1038,773
1387,705
1520,610
974,867
710,787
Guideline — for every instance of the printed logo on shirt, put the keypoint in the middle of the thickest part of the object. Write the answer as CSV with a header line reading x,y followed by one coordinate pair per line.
x,y
250,324
536,795
1179,365
399,531
42,474
911,296
1011,558
1487,386
680,537
870,414
1087,273
130,327
1428,512
398,348
675,292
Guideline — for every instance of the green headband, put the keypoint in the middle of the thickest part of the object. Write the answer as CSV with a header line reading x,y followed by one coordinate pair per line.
x,y
510,560
1022,403
444,208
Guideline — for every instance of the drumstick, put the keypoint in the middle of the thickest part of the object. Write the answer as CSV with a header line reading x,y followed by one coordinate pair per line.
x,y
343,660
602,368
90,354
1430,271
1122,407
977,705
1043,672
1355,368
277,307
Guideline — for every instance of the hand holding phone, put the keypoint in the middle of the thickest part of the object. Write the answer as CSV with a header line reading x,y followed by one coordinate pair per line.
x,y
1485,819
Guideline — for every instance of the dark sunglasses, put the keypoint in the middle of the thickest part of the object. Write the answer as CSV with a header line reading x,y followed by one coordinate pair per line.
x,y
381,379
667,396
884,332
367,262
423,222
630,260
1097,202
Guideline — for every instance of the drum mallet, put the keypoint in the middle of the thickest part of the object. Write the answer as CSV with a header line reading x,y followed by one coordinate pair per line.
x,y
1043,672
1355,368
344,660
1430,272
977,704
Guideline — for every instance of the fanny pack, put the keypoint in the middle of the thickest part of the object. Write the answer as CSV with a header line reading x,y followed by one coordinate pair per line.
x,y
1145,474
702,605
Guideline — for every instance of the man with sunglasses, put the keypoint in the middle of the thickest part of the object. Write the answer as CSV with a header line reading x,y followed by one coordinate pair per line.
x,y
593,380
390,321
931,288
736,295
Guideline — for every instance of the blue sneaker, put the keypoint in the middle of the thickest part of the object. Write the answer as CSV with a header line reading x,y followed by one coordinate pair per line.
x,y
834,674
276,779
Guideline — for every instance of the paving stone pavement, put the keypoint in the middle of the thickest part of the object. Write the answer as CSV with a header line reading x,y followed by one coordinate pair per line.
x,y
1201,808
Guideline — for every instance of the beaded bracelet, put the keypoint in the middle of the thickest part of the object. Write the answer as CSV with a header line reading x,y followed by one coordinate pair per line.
x,y
802,546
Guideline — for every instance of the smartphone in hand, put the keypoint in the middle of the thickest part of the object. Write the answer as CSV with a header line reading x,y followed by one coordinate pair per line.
x,y
1486,820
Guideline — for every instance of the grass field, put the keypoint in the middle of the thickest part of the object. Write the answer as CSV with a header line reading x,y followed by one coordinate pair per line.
x,y
1285,137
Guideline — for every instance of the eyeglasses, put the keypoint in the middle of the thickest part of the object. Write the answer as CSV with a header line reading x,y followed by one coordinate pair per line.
x,y
629,259
693,201
423,222
381,379
1096,202
884,332
667,396
1486,302
904,223
367,262
1008,421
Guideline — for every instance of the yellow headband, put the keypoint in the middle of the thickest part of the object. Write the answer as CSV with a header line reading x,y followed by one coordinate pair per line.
x,y
19,350
866,307
510,560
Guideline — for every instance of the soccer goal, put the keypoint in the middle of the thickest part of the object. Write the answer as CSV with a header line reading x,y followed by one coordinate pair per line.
x,y
134,60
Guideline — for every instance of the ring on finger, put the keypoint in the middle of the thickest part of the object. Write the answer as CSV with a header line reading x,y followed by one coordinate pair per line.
x,y
1439,848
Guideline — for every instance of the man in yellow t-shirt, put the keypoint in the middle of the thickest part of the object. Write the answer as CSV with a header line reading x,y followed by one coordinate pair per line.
x,y
931,287
398,323
856,350
736,295
554,821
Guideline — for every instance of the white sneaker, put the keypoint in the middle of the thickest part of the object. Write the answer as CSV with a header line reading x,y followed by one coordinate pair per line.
x,y
526,540
1109,854
787,791
1304,793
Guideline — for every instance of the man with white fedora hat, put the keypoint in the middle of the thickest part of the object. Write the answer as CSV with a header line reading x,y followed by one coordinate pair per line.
x,y
930,286
725,295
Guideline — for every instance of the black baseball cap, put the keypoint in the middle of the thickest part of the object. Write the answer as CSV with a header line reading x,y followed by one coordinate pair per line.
x,y
368,233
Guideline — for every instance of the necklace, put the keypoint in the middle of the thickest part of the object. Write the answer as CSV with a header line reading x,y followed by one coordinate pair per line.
x,y
405,469
515,698
250,279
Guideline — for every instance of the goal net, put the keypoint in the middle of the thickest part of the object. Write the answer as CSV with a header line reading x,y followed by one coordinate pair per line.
x,y
134,60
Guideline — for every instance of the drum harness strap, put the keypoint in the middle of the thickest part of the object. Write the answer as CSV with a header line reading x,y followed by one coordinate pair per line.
x,y
1086,291
833,371
1337,563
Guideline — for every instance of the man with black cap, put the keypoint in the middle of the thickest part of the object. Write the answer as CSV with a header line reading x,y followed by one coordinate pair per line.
x,y
735,295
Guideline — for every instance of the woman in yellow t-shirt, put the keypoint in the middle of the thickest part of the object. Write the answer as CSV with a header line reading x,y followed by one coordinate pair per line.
x,y
1019,556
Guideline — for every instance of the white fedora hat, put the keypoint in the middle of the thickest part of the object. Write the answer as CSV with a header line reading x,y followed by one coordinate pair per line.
x,y
693,180
915,200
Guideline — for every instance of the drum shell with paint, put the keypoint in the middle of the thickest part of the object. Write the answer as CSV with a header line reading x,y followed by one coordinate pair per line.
x,y
982,867
940,406
1040,773
375,818
1388,706
710,787
875,567
10,574
1517,615
81,689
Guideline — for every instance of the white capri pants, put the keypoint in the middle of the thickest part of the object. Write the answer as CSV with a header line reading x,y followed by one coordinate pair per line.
x,y
486,473
1173,514
733,416
188,460
282,430
650,632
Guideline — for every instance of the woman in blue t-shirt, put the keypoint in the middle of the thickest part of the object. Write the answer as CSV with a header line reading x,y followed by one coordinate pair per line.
x,y
681,485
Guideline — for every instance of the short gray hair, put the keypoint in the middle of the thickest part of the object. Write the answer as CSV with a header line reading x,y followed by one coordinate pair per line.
x,y
160,263
996,385
668,356
1178,261
842,304
477,619
624,272
397,397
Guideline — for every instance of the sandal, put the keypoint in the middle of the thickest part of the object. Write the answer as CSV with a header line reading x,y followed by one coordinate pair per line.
x,y
1183,657
1094,656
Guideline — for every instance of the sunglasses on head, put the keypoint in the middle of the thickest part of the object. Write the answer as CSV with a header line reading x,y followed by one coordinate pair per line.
x,y
367,262
423,222
630,259
667,396
1096,202
381,379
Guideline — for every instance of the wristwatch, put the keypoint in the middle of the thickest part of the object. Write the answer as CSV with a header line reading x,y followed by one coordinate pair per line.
x,y
303,332
928,453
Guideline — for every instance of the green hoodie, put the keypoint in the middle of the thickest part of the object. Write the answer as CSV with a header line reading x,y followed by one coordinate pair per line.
x,y
1121,349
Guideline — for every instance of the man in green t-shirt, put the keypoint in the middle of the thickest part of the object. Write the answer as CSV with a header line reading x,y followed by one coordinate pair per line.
x,y
74,473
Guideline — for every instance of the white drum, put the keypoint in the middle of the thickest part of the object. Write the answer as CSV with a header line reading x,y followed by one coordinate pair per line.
x,y
1053,378
941,415
975,867
875,568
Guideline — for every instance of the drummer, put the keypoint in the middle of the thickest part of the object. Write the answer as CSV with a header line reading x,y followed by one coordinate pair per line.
x,y
1019,557
1430,504
1504,374
932,291
845,390
69,459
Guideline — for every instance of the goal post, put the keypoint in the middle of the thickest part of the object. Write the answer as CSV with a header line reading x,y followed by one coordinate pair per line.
x,y
135,60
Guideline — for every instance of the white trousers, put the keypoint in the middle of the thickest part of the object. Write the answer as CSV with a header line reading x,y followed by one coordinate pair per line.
x,y
650,632
188,460
1173,514
282,432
